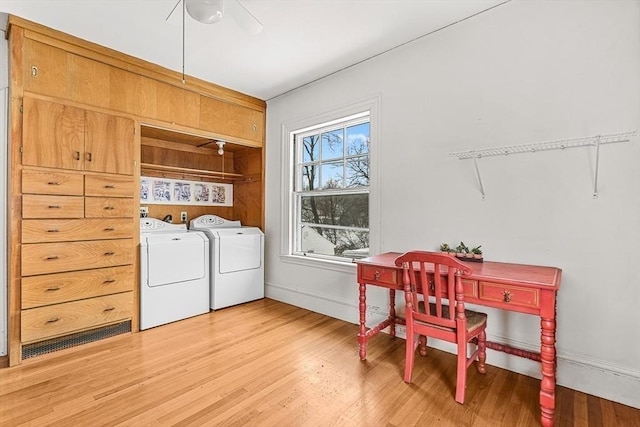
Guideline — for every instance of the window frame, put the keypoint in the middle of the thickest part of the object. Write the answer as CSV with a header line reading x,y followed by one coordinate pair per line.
x,y
289,175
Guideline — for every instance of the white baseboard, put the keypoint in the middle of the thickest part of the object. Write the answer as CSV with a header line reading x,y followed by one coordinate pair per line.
x,y
595,377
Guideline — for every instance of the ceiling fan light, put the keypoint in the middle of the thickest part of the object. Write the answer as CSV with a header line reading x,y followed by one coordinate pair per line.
x,y
205,11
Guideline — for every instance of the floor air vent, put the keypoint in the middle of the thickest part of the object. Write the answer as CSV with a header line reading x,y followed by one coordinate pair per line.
x,y
79,338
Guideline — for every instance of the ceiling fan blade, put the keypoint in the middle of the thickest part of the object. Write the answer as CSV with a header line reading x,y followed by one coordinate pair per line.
x,y
243,17
174,18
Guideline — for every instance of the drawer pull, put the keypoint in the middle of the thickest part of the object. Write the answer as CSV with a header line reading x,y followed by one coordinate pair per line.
x,y
53,231
89,157
51,258
110,186
376,275
109,229
506,295
109,208
109,253
109,309
109,281
53,183
52,289
53,207
54,320
76,155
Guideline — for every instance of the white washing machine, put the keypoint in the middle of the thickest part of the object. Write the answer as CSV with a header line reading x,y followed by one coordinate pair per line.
x,y
237,260
174,273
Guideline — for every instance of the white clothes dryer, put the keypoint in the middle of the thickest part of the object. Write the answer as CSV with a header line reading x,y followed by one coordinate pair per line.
x,y
237,260
174,273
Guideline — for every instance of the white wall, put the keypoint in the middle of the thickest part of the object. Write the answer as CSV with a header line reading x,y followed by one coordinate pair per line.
x,y
524,72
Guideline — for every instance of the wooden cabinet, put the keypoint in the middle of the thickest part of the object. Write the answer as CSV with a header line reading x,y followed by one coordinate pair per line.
x,y
78,252
65,137
232,119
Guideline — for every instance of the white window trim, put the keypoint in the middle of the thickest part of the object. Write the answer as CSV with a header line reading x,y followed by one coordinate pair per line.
x,y
287,176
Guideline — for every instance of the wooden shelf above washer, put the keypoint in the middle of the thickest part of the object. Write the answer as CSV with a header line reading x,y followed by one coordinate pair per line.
x,y
182,172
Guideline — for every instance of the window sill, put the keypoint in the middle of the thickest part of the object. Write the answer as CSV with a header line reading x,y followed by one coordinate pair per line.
x,y
346,266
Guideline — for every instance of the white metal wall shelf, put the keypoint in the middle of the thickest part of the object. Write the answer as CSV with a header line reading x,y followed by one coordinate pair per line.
x,y
561,144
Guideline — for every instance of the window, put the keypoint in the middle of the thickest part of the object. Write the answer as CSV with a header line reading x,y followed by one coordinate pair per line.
x,y
330,198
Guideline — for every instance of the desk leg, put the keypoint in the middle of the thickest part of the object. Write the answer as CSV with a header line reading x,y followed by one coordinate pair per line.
x,y
362,336
392,312
548,359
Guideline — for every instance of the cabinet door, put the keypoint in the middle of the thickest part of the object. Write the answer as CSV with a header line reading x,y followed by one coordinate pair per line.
x,y
231,119
109,143
52,135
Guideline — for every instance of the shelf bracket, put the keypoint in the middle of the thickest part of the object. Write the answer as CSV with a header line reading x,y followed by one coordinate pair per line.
x,y
475,163
595,172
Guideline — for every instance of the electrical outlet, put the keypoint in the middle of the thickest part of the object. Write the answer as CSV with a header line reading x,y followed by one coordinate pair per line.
x,y
183,216
144,211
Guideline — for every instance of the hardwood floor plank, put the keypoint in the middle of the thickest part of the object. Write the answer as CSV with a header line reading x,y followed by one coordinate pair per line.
x,y
267,363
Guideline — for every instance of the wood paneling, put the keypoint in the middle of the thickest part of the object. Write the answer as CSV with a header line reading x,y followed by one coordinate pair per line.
x,y
109,143
51,69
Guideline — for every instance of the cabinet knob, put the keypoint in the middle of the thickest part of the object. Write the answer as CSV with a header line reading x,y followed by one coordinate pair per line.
x,y
109,253
109,208
53,183
76,155
34,71
254,128
52,289
53,257
88,157
109,309
53,207
376,275
53,320
506,295
109,281
53,231
108,229
110,186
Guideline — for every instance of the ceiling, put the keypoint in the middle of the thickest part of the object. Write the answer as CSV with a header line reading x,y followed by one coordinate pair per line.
x,y
302,40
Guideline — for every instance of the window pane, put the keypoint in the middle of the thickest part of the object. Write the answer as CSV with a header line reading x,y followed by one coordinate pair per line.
x,y
310,148
332,175
348,210
310,177
358,172
332,144
358,139
332,242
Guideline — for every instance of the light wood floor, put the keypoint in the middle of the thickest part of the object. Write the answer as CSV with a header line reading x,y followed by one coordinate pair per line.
x,y
266,363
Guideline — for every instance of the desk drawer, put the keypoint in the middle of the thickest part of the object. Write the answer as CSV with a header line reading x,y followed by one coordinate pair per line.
x,y
381,275
65,230
110,186
64,287
507,295
61,319
52,206
104,207
48,182
44,258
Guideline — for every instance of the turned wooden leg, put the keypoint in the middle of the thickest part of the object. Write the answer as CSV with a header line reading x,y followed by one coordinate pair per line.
x,y
548,360
392,312
482,352
362,336
422,346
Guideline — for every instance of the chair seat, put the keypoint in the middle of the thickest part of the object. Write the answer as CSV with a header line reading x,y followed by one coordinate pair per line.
x,y
475,319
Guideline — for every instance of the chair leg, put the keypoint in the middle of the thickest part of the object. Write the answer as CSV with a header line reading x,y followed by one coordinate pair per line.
x,y
482,352
410,351
461,374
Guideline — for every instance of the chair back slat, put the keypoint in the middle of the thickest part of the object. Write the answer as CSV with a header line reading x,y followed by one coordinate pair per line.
x,y
434,278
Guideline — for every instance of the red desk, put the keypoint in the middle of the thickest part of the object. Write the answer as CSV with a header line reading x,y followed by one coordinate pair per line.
x,y
514,287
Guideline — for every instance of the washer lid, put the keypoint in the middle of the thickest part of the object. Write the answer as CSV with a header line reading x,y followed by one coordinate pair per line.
x,y
174,258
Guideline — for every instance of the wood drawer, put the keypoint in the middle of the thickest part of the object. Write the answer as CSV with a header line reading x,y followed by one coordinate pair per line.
x,y
104,207
65,230
509,294
48,182
44,258
61,319
381,275
63,287
52,206
113,186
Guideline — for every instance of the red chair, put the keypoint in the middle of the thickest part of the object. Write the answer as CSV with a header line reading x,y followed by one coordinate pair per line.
x,y
443,275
